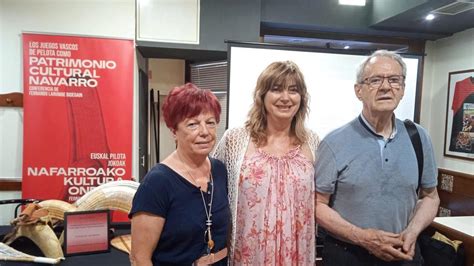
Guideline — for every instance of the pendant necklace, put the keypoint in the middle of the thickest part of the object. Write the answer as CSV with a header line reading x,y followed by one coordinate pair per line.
x,y
207,232
210,242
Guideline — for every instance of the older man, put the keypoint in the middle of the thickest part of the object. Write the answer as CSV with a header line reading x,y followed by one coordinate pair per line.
x,y
367,176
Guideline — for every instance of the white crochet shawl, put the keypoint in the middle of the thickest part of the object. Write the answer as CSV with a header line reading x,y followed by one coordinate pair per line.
x,y
231,150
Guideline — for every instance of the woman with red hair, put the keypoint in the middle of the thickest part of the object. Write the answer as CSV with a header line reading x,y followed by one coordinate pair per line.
x,y
183,199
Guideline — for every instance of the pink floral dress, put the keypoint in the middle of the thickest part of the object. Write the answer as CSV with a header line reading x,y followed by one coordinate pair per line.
x,y
275,210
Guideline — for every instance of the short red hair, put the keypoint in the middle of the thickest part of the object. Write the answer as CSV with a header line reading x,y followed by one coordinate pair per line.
x,y
188,101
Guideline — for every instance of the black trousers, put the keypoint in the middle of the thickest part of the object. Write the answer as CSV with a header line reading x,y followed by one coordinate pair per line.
x,y
339,253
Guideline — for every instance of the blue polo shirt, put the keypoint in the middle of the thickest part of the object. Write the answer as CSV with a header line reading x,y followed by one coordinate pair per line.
x,y
373,185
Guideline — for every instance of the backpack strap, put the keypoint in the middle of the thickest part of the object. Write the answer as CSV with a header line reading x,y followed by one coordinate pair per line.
x,y
416,142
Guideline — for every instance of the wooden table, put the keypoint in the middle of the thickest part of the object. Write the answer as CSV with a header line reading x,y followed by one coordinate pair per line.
x,y
458,228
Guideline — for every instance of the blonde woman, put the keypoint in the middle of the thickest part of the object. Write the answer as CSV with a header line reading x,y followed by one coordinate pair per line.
x,y
270,174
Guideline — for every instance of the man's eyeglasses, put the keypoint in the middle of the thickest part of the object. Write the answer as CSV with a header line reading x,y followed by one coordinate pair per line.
x,y
375,82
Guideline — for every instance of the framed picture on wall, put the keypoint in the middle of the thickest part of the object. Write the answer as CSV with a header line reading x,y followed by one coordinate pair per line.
x,y
459,133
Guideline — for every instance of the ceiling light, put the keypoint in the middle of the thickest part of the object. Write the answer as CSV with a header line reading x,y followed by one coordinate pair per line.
x,y
352,2
430,17
347,47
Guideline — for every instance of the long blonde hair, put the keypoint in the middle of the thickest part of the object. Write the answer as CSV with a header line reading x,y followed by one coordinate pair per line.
x,y
279,72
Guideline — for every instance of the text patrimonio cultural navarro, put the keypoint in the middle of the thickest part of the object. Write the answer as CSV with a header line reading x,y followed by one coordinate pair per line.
x,y
50,65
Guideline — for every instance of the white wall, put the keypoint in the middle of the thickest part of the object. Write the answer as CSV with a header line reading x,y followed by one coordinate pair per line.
x,y
105,18
443,56
108,18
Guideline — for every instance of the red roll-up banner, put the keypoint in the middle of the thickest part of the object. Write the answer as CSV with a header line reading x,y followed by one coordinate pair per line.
x,y
78,97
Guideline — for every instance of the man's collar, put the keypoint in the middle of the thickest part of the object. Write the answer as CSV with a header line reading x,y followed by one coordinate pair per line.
x,y
369,127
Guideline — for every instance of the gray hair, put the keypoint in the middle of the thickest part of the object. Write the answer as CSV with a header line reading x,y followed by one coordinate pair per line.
x,y
380,53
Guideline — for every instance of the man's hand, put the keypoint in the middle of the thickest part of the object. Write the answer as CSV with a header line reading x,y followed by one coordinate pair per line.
x,y
384,245
409,242
425,211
